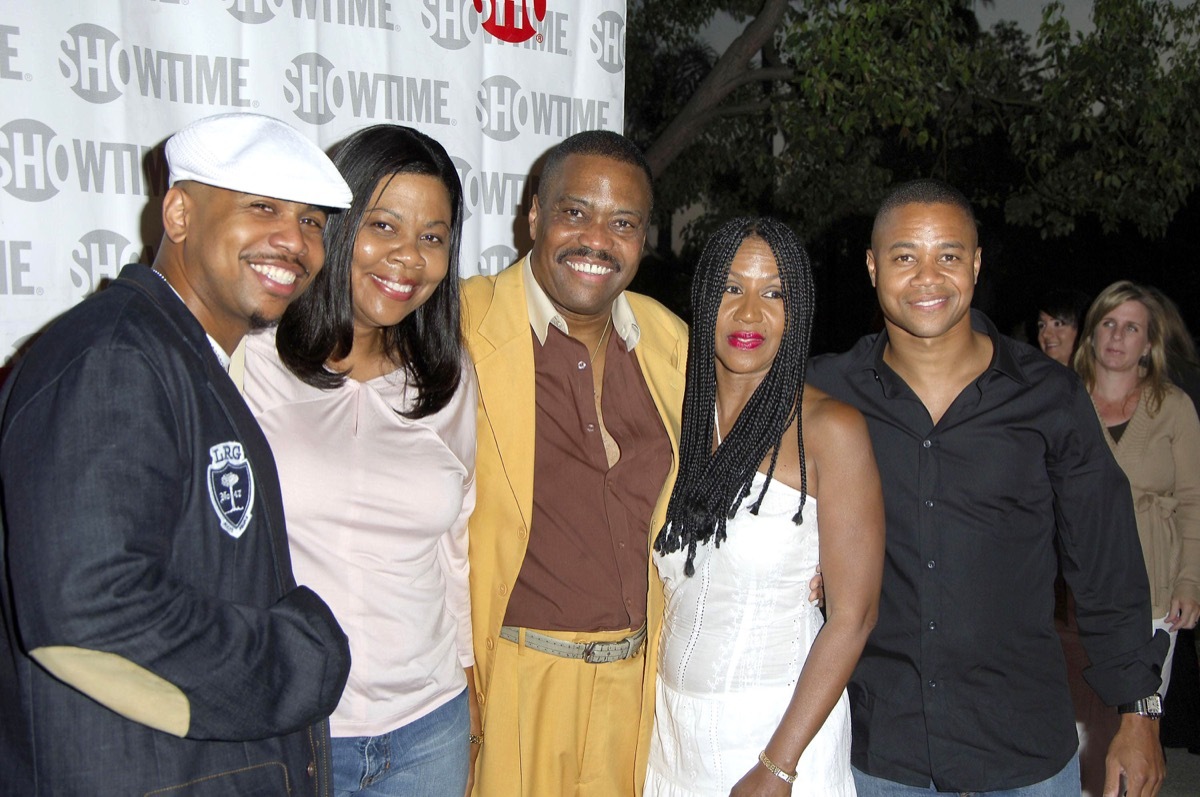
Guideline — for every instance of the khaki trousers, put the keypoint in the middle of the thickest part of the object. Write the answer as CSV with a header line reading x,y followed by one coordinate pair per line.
x,y
555,726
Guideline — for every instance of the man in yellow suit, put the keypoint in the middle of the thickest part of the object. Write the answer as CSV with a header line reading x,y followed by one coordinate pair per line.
x,y
580,395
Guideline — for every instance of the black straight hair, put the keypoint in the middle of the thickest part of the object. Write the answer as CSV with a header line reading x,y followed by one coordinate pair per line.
x,y
319,326
711,485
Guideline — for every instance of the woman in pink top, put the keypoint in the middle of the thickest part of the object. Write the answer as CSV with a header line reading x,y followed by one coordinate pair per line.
x,y
368,400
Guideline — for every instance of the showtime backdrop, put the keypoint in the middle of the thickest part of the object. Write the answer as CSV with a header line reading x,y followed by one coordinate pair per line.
x,y
90,91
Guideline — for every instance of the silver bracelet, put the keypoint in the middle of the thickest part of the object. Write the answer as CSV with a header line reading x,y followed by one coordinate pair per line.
x,y
786,777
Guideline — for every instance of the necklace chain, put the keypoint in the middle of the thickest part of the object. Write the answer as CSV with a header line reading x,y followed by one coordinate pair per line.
x,y
600,342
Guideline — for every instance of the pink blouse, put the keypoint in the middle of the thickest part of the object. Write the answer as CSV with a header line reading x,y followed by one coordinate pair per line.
x,y
377,509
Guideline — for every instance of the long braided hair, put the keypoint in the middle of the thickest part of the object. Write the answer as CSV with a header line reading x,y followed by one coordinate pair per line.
x,y
711,485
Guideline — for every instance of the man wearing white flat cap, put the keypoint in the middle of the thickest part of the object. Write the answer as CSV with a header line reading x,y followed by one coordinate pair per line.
x,y
152,637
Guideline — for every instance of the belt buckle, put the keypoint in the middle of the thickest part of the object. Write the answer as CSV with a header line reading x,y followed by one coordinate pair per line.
x,y
604,652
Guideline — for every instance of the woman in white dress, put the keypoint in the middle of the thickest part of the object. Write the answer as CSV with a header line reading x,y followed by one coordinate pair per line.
x,y
751,680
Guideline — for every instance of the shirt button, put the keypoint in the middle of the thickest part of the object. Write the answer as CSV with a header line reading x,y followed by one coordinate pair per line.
x,y
620,545
521,533
929,504
932,625
503,589
481,698
933,684
591,427
582,365
491,643
926,443
931,564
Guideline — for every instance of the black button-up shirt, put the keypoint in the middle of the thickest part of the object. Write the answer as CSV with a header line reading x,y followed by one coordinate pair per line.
x,y
963,682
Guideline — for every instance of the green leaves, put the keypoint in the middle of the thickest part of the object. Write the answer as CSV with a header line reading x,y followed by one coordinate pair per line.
x,y
847,97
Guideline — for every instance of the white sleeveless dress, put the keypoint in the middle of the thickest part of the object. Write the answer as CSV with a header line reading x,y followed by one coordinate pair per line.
x,y
734,639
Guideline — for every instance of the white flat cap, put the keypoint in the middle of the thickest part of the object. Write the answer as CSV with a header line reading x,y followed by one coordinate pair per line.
x,y
256,154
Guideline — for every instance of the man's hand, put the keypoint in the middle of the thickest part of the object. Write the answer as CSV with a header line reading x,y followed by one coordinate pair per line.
x,y
1136,754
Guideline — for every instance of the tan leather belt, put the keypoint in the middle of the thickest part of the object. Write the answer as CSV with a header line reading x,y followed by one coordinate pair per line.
x,y
591,652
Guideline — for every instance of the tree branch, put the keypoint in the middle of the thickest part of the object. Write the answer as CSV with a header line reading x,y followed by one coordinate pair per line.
x,y
732,69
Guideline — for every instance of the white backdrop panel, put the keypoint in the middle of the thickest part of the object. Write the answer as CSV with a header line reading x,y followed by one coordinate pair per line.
x,y
89,91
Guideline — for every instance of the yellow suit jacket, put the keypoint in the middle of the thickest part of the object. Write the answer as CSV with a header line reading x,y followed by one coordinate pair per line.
x,y
500,340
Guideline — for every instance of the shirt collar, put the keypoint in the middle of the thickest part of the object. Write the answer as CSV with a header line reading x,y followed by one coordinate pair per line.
x,y
542,312
1003,361
222,357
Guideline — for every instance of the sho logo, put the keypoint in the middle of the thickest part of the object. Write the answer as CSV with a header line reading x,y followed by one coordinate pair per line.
x,y
8,52
500,108
251,12
231,487
91,61
492,193
511,20
14,267
99,255
312,88
33,165
495,259
608,41
318,91
448,23
505,110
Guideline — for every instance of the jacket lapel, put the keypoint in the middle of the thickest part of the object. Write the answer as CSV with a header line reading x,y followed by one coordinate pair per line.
x,y
511,406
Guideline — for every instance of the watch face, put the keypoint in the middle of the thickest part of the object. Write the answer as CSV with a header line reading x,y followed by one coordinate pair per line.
x,y
1153,705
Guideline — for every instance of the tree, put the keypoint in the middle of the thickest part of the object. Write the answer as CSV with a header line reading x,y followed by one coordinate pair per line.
x,y
818,106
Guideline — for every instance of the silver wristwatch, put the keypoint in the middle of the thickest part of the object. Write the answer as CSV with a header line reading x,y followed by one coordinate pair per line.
x,y
1148,707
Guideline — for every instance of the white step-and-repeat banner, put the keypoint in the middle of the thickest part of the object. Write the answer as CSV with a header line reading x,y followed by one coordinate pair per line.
x,y
90,90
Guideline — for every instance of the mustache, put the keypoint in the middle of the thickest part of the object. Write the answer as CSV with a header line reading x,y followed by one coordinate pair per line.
x,y
283,257
588,252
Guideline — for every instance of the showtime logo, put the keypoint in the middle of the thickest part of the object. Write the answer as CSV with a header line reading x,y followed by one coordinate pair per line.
x,y
505,110
509,21
317,91
99,255
352,13
99,70
35,165
488,192
454,24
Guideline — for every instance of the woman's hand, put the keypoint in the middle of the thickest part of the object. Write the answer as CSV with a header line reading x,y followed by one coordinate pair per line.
x,y
758,782
476,728
816,595
1183,614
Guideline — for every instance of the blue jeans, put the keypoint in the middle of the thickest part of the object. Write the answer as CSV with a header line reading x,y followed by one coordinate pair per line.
x,y
425,758
1064,784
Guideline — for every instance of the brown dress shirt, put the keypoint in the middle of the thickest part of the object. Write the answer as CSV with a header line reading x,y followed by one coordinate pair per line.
x,y
586,565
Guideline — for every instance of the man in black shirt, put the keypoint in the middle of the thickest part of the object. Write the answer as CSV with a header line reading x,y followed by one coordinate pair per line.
x,y
988,452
